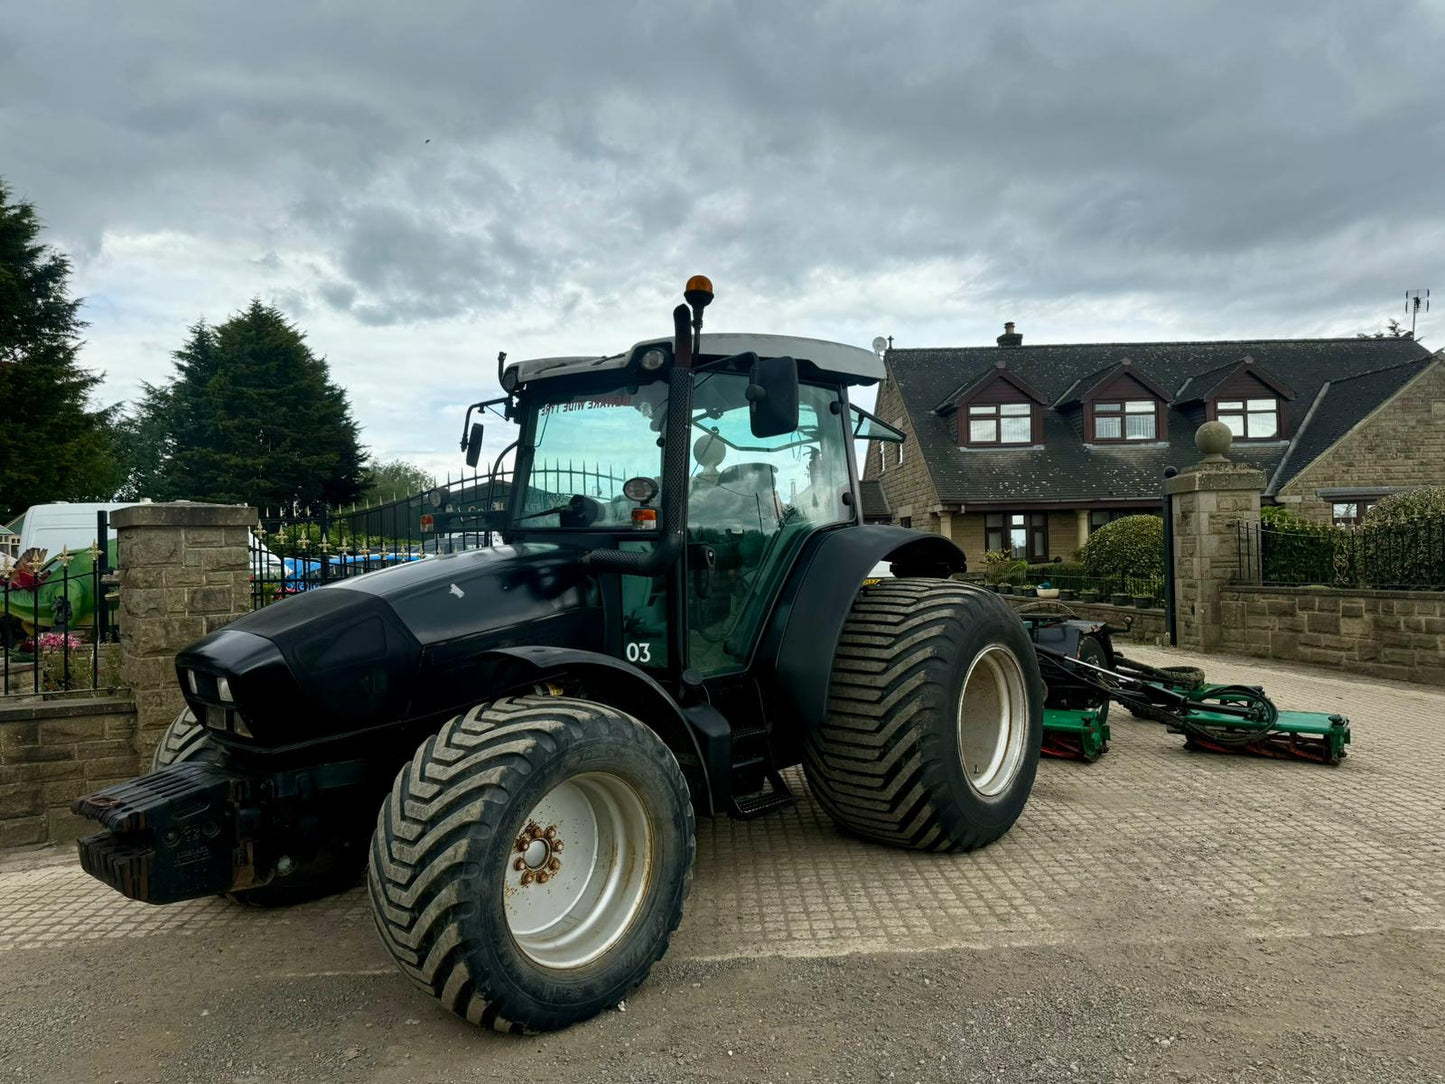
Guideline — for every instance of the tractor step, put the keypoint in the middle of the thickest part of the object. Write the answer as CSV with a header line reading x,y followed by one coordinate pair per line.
x,y
773,796
1074,734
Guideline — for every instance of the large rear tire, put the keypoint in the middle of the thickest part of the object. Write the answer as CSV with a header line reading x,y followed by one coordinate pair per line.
x,y
935,718
532,861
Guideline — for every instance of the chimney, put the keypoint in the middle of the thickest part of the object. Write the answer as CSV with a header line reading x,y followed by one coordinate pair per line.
x,y
1009,336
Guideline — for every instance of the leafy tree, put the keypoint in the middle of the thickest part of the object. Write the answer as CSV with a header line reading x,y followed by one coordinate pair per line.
x,y
53,445
251,416
395,478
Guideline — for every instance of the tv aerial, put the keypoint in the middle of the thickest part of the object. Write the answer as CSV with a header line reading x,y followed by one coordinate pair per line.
x,y
1415,300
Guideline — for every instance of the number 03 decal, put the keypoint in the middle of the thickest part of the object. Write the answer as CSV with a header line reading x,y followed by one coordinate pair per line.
x,y
639,651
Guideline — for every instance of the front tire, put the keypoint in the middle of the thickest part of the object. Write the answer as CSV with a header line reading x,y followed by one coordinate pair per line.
x,y
532,861
935,718
185,739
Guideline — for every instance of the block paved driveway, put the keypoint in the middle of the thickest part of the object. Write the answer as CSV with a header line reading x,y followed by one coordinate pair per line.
x,y
1151,845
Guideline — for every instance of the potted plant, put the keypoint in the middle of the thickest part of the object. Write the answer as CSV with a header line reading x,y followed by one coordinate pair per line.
x,y
1121,598
1089,594
1046,590
1026,589
1144,602
1066,594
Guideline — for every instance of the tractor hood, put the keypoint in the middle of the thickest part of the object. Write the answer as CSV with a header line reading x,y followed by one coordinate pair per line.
x,y
397,644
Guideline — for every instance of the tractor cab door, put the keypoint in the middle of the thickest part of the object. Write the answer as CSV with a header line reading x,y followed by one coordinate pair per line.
x,y
751,503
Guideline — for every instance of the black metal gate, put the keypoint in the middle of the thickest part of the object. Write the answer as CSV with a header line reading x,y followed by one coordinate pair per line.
x,y
56,612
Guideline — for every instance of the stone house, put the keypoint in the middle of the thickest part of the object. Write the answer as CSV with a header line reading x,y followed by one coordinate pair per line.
x,y
1032,448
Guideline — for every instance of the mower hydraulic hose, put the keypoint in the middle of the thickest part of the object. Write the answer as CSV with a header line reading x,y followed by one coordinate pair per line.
x,y
675,469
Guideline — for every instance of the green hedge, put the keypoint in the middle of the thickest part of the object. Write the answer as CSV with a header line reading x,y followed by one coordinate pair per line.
x,y
1132,546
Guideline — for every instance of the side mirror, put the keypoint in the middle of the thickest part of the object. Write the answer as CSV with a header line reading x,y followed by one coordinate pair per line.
x,y
474,444
773,397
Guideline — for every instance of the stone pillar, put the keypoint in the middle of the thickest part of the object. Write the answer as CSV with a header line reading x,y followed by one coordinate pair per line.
x,y
1210,499
184,572
1083,518
945,524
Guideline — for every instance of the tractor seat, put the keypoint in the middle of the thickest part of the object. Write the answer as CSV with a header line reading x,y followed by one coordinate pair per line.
x,y
737,498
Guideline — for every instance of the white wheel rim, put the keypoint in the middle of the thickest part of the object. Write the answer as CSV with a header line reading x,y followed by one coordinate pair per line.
x,y
578,870
993,720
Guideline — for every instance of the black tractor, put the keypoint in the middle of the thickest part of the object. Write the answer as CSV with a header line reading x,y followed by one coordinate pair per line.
x,y
513,741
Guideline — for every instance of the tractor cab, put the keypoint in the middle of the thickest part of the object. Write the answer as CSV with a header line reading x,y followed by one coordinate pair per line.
x,y
691,564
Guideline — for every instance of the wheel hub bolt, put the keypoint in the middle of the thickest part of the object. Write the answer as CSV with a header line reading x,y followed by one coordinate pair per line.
x,y
537,849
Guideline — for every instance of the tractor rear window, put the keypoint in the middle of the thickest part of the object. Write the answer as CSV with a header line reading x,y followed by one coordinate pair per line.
x,y
588,445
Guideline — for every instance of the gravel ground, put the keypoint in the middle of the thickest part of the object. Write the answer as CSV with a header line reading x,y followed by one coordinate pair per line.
x,y
1349,1008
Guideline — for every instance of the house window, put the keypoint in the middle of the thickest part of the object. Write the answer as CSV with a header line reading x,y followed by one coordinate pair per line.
x,y
1024,535
905,521
1250,419
899,426
1000,423
1350,513
1126,419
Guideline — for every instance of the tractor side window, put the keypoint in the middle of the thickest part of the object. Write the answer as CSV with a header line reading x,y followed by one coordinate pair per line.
x,y
751,502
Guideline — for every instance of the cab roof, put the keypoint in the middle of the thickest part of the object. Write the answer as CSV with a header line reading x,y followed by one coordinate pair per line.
x,y
852,364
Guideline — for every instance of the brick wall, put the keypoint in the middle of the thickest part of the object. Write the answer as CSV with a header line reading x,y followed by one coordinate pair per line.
x,y
909,489
51,753
1388,634
1401,444
184,572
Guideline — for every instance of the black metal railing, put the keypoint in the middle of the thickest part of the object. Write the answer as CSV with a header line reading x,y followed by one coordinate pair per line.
x,y
56,616
1393,557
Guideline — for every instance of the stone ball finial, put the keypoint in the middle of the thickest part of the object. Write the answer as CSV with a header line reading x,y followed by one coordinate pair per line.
x,y
1213,439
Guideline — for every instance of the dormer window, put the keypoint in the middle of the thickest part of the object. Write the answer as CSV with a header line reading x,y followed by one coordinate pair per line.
x,y
996,409
1251,401
1250,419
1126,419
1000,423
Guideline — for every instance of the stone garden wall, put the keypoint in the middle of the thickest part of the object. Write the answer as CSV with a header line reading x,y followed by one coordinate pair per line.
x,y
51,752
1387,634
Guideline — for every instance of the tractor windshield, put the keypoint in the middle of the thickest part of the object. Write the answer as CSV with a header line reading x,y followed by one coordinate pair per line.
x,y
584,447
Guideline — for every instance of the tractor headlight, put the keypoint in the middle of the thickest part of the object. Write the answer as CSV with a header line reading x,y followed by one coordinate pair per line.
x,y
223,690
191,681
652,360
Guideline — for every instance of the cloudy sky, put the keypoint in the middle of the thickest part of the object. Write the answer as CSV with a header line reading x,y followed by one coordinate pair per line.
x,y
421,185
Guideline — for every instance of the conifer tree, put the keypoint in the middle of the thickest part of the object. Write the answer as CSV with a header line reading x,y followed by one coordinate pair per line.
x,y
54,445
251,416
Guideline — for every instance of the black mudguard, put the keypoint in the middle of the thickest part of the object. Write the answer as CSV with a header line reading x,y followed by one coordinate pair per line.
x,y
796,655
620,685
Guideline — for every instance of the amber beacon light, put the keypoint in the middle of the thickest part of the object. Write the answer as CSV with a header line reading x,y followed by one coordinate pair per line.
x,y
698,291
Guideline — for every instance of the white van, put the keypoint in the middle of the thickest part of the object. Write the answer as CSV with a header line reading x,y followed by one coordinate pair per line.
x,y
64,525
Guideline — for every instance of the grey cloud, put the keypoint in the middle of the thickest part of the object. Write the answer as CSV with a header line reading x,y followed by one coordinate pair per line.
x,y
1261,167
